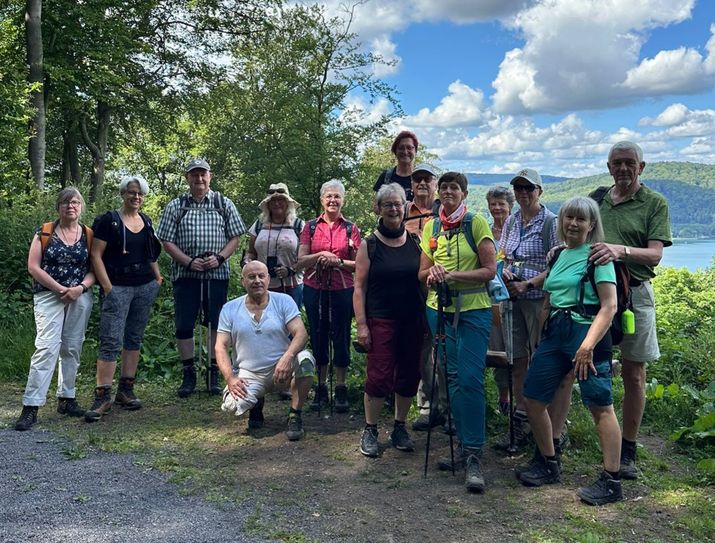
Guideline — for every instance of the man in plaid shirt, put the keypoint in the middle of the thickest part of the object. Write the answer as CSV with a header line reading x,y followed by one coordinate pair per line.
x,y
200,230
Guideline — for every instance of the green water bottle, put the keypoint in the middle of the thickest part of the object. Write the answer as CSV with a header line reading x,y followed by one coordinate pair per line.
x,y
628,322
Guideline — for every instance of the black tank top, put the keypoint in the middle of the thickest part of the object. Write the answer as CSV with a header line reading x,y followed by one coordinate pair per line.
x,y
392,284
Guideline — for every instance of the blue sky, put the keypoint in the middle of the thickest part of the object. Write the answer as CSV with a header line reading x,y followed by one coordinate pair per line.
x,y
496,85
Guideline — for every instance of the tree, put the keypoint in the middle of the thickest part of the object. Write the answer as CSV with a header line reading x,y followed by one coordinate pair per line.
x,y
36,74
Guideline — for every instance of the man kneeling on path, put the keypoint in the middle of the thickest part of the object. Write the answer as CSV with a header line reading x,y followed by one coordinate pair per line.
x,y
267,336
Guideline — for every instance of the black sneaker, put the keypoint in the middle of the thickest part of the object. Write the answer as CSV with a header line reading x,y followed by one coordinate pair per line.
x,y
341,399
295,427
69,407
605,490
544,472
368,442
559,444
255,415
320,399
401,439
628,461
188,383
522,434
27,418
101,405
125,395
473,477
424,422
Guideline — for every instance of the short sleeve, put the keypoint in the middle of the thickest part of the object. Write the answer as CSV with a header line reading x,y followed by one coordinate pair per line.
x,y
289,308
355,236
605,273
103,227
235,223
224,319
305,234
380,181
659,222
167,230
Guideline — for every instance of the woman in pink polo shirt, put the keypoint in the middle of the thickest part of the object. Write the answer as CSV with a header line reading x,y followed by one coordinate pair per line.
x,y
328,245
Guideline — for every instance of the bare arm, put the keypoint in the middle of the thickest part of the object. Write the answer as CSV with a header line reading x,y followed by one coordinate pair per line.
x,y
583,361
362,270
284,367
98,248
602,253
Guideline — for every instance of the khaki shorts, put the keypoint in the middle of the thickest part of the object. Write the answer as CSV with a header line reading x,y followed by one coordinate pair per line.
x,y
643,345
526,326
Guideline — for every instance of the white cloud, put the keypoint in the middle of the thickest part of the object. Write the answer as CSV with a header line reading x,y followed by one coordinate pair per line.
x,y
691,124
463,106
460,11
673,114
385,49
678,71
365,113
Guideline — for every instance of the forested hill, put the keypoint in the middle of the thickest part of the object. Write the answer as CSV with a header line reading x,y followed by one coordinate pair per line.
x,y
688,187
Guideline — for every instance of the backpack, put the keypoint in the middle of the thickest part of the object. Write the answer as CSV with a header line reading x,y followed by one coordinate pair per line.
x,y
153,245
599,194
465,227
297,227
623,295
49,227
219,204
545,231
371,244
313,225
389,173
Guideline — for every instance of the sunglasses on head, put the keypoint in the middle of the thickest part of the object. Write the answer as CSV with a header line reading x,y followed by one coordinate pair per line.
x,y
276,191
527,188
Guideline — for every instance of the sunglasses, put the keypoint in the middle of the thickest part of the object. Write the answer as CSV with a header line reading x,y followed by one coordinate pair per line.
x,y
276,191
527,188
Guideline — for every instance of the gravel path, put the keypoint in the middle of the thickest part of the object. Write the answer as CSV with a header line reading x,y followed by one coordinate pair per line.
x,y
46,497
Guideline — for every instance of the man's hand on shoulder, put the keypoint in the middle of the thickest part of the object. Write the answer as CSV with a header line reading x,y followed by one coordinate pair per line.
x,y
603,253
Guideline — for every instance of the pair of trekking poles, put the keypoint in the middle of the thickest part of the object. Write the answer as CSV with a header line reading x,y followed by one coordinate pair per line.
x,y
205,316
319,272
439,356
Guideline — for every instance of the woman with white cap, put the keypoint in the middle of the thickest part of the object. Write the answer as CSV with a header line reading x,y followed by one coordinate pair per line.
x,y
274,239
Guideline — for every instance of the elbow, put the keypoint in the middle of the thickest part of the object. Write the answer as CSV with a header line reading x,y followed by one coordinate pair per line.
x,y
491,271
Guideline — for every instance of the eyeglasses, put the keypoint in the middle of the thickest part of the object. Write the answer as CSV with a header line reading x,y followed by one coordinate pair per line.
x,y
405,147
392,205
72,203
135,194
422,179
276,191
526,188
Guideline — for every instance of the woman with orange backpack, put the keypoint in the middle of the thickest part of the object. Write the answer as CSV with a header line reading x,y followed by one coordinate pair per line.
x,y
59,264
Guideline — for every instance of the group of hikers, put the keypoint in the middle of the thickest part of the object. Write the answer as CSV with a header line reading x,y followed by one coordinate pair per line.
x,y
435,290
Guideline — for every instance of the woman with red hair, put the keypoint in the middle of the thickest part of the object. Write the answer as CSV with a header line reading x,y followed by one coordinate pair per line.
x,y
404,147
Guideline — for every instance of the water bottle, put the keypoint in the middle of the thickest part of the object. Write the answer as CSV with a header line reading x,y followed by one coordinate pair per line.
x,y
628,322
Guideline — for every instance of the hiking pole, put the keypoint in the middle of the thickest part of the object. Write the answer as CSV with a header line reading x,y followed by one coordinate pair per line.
x,y
331,352
209,346
443,339
201,315
435,360
320,333
509,346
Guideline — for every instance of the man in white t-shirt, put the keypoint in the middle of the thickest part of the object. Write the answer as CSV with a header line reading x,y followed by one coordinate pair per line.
x,y
267,336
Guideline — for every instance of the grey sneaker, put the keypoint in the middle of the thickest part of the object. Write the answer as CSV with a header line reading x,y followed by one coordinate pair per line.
x,y
368,442
27,418
101,405
295,427
605,490
69,407
401,439
473,477
125,395
445,463
543,472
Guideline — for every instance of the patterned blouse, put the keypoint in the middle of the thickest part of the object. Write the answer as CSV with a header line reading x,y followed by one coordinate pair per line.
x,y
66,264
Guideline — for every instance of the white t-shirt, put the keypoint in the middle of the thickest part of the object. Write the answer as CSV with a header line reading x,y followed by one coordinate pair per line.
x,y
258,346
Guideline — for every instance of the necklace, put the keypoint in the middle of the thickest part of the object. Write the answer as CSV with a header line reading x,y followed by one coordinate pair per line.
x,y
66,237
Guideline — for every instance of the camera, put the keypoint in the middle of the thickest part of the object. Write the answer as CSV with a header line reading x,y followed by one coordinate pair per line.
x,y
271,264
444,295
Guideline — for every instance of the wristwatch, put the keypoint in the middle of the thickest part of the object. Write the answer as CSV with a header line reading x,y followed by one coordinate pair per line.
x,y
626,251
85,288
341,263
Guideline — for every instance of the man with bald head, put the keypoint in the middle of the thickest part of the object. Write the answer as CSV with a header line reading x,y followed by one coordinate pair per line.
x,y
267,336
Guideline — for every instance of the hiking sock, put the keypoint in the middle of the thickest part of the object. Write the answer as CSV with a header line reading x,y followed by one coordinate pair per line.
x,y
550,458
370,426
629,446
615,475
398,423
188,363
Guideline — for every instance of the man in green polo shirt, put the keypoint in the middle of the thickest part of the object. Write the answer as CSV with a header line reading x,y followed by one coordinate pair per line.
x,y
636,225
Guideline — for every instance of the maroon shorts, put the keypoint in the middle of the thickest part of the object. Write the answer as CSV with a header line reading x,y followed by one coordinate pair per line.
x,y
393,363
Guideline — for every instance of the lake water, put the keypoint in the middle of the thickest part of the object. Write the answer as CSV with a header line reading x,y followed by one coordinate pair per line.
x,y
690,254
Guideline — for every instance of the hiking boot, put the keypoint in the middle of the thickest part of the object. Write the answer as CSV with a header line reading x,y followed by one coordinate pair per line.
x,y
255,415
69,407
295,427
212,380
536,458
445,463
628,460
473,477
368,442
101,405
543,472
424,422
125,395
188,383
605,490
401,439
320,399
522,434
27,418
341,399
449,428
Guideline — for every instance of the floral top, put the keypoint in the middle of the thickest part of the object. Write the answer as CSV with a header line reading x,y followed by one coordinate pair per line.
x,y
66,264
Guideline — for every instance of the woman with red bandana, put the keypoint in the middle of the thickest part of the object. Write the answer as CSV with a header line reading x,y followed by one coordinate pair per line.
x,y
448,262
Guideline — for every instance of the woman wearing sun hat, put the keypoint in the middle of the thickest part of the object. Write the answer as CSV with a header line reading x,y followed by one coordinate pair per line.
x,y
274,240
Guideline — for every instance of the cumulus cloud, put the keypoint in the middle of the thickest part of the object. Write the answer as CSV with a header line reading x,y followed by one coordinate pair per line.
x,y
583,54
386,50
673,114
681,71
681,122
463,106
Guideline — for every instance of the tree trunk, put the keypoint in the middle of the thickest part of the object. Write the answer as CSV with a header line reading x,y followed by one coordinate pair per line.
x,y
70,158
98,150
33,37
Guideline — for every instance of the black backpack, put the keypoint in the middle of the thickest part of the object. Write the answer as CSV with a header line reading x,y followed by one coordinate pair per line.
x,y
623,295
219,205
153,245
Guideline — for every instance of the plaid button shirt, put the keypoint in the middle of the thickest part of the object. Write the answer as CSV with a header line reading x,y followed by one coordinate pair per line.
x,y
202,229
523,248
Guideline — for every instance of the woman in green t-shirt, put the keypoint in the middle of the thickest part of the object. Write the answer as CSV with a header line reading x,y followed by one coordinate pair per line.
x,y
575,338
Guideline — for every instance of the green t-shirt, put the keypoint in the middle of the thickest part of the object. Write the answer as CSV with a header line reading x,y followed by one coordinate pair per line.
x,y
455,254
563,282
633,222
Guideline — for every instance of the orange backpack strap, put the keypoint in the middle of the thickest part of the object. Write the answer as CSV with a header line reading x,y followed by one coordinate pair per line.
x,y
89,234
45,234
